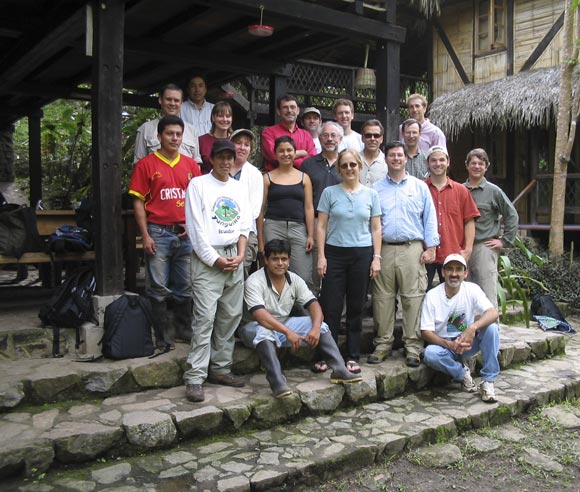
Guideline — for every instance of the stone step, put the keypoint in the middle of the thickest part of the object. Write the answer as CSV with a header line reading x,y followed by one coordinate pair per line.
x,y
47,380
308,450
156,413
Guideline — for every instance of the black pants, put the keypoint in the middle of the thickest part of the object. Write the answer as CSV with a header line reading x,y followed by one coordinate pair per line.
x,y
431,269
347,274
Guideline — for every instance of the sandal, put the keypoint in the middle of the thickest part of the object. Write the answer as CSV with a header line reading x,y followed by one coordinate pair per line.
x,y
319,367
353,367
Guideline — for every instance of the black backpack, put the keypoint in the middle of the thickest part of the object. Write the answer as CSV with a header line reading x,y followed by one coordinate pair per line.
x,y
70,306
128,322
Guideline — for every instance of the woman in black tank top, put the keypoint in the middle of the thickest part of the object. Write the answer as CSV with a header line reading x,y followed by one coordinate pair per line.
x,y
288,210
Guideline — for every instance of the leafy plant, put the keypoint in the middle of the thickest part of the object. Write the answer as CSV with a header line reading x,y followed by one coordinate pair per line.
x,y
515,285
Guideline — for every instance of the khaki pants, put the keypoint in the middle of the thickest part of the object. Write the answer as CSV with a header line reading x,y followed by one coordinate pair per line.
x,y
403,274
482,269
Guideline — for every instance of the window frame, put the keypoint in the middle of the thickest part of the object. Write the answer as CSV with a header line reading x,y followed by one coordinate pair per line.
x,y
495,16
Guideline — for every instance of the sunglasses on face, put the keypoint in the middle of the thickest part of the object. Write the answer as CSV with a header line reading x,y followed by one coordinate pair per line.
x,y
346,165
372,135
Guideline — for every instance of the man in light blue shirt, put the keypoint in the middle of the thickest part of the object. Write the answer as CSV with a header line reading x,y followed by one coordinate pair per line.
x,y
409,231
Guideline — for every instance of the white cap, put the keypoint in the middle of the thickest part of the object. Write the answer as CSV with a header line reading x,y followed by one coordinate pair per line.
x,y
455,257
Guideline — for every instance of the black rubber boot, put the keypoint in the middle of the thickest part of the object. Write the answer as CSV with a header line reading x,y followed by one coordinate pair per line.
x,y
329,349
182,318
162,324
269,359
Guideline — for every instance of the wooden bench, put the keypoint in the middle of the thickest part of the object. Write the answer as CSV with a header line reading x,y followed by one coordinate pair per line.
x,y
47,221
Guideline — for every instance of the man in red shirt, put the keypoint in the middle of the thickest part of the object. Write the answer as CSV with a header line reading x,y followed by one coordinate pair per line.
x,y
288,111
158,187
456,213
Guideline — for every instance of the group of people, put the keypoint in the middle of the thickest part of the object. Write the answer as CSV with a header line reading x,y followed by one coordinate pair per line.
x,y
332,220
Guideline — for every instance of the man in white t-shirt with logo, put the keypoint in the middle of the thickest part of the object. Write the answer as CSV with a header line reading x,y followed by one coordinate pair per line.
x,y
218,217
449,327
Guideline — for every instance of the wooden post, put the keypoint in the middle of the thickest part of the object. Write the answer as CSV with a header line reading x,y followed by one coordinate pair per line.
x,y
109,22
278,87
35,157
388,71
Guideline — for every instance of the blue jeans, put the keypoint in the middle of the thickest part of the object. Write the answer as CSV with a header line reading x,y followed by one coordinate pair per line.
x,y
169,269
299,324
486,341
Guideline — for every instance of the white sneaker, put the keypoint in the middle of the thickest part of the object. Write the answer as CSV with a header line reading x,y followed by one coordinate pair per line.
x,y
468,384
487,392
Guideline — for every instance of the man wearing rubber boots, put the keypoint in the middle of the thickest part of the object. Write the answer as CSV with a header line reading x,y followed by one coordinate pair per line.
x,y
270,295
158,188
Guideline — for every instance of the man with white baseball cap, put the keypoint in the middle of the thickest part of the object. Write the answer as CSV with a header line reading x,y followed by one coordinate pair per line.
x,y
449,327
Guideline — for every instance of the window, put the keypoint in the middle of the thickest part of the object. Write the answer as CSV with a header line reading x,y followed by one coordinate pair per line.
x,y
490,24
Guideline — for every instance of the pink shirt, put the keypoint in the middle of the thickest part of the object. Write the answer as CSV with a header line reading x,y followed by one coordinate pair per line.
x,y
302,139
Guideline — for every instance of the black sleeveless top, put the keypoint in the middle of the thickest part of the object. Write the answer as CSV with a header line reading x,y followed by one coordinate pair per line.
x,y
286,202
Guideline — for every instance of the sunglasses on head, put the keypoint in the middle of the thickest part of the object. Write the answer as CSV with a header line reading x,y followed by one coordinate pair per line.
x,y
346,165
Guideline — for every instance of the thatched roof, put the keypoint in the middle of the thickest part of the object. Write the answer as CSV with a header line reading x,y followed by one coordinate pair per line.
x,y
528,99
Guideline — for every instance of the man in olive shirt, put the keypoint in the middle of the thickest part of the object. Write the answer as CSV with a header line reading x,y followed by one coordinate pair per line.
x,y
496,210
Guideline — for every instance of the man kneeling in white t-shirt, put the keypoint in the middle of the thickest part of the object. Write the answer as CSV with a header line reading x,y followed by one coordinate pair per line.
x,y
448,326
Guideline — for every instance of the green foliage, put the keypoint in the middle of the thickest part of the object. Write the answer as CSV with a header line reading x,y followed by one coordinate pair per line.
x,y
66,150
515,284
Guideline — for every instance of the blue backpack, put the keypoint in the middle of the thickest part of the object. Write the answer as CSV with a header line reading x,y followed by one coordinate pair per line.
x,y
68,238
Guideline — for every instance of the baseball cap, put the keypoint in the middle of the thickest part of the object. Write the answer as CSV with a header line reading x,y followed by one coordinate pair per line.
x,y
243,131
437,148
222,144
455,257
311,110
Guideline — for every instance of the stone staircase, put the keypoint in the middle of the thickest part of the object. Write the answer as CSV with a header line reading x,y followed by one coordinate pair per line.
x,y
62,418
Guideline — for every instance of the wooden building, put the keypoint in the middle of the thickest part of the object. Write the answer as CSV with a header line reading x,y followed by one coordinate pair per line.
x,y
115,52
495,85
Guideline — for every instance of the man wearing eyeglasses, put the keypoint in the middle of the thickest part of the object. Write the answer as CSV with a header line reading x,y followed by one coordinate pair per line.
x,y
323,172
448,325
409,233
374,165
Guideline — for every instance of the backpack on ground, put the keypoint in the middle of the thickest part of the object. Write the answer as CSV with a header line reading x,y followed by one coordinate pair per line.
x,y
128,323
18,230
69,238
70,306
546,312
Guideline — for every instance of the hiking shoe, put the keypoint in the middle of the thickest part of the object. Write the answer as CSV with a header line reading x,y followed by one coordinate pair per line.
x,y
379,356
412,361
487,392
194,393
468,384
226,380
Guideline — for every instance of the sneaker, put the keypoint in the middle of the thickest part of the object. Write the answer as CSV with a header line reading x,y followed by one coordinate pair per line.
x,y
468,384
487,392
194,392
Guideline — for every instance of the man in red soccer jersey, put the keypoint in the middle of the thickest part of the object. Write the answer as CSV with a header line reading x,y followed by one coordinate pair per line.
x,y
158,187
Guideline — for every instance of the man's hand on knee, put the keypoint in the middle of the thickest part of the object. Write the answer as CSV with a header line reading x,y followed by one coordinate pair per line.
x,y
313,337
294,340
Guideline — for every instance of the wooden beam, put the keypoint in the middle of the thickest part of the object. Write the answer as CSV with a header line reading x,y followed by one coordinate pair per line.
x,y
319,17
107,85
510,38
79,94
152,51
543,44
44,49
451,52
388,92
35,157
278,87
